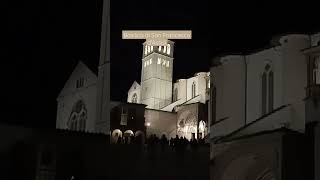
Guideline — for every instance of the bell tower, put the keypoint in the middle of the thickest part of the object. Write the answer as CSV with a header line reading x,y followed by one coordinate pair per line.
x,y
102,124
156,75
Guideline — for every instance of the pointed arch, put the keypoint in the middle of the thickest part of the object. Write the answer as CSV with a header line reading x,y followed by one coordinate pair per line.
x,y
267,90
134,98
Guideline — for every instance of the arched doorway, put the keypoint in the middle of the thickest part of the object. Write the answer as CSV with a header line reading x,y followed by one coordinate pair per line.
x,y
201,130
116,134
127,136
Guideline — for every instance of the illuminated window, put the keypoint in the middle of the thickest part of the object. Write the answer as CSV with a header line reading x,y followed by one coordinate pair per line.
x,y
159,49
151,61
145,63
151,48
145,50
159,61
167,63
148,49
164,49
168,49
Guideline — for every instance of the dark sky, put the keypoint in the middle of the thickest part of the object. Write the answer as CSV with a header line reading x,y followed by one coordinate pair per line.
x,y
47,38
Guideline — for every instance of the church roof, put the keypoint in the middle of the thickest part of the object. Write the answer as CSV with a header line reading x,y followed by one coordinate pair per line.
x,y
69,85
134,85
92,67
234,133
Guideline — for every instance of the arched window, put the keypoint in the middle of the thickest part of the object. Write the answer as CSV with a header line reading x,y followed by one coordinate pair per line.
x,y
267,90
148,49
168,49
78,116
134,98
316,71
193,90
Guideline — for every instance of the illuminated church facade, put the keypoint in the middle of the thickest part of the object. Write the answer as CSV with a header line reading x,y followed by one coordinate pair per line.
x,y
170,108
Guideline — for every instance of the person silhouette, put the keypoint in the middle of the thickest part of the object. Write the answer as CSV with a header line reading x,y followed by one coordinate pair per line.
x,y
119,140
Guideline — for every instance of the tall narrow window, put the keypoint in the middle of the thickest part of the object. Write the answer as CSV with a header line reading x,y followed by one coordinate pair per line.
x,y
267,90
164,49
264,93
213,100
159,60
145,50
151,61
151,48
82,81
159,49
124,116
148,49
316,71
270,94
168,49
193,91
175,95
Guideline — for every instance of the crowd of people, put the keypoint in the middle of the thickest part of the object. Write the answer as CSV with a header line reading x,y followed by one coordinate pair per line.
x,y
177,143
153,142
130,140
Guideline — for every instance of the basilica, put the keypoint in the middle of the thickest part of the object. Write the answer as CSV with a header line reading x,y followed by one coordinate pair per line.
x,y
268,128
156,105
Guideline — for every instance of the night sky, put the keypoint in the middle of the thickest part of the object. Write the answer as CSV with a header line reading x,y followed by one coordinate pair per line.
x,y
46,39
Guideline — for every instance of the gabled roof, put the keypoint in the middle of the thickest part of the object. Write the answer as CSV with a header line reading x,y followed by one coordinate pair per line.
x,y
230,135
135,84
74,75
